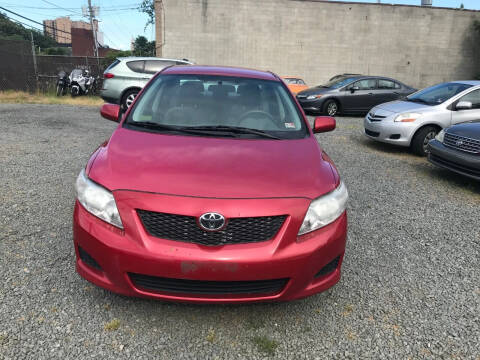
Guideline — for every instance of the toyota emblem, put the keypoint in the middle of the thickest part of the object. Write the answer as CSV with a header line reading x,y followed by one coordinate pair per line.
x,y
211,221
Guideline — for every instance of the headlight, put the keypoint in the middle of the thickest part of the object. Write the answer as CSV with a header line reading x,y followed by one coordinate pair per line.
x,y
440,136
407,117
325,209
97,200
311,97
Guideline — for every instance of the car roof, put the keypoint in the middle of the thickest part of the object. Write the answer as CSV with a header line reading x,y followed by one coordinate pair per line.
x,y
220,71
126,58
363,77
467,82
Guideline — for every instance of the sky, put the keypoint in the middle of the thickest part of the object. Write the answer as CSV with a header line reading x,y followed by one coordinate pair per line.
x,y
120,21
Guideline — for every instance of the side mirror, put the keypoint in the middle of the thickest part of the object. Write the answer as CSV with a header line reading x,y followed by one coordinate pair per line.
x,y
354,88
463,105
110,112
324,124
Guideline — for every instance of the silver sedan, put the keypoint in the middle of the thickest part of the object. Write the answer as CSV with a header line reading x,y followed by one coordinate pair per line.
x,y
416,120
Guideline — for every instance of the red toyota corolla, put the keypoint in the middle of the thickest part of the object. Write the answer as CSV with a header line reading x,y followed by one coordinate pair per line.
x,y
211,189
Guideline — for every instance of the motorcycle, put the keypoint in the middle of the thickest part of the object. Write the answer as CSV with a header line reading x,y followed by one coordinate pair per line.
x,y
62,83
82,83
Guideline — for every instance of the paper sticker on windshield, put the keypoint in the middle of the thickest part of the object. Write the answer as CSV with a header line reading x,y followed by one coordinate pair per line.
x,y
290,125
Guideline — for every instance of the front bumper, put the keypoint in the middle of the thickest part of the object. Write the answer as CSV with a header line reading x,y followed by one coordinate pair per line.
x,y
312,106
455,160
120,253
388,131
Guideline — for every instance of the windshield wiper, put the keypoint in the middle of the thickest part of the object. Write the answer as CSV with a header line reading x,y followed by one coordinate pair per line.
x,y
234,129
156,126
419,101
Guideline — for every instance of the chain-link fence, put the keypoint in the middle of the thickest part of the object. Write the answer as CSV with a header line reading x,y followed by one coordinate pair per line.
x,y
20,69
17,70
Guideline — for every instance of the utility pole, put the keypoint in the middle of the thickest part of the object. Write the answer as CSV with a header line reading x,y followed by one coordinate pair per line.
x,y
94,31
159,21
34,59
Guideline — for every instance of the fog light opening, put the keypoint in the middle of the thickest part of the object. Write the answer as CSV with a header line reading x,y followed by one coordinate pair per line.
x,y
88,260
329,268
395,136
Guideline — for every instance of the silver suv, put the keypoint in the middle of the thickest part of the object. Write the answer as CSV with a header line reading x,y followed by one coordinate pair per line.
x,y
126,76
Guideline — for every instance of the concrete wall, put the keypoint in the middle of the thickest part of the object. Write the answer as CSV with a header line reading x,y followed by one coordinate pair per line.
x,y
316,39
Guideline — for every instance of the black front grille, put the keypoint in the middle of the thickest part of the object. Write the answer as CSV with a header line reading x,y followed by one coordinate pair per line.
x,y
375,117
462,143
154,283
372,133
185,228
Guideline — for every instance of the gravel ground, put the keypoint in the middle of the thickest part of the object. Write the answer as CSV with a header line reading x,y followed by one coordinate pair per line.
x,y
411,275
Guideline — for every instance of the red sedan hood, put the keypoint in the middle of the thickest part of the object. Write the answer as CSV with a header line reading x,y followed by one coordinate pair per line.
x,y
212,167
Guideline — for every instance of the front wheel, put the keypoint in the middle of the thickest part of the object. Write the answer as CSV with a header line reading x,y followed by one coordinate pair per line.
x,y
75,90
331,107
421,139
59,90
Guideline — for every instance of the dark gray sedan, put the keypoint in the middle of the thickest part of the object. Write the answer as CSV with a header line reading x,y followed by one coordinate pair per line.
x,y
457,148
351,94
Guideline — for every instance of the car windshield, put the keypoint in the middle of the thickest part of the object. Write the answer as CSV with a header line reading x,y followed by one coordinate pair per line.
x,y
294,81
437,94
76,72
217,106
338,82
290,81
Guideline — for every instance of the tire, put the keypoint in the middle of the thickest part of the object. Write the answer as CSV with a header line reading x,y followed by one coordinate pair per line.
x,y
75,91
331,107
421,138
59,90
128,98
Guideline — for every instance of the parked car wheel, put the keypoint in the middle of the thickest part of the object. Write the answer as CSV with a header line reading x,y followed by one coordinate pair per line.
x,y
331,107
128,98
421,138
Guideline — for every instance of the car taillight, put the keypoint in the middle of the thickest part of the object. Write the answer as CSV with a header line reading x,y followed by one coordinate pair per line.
x,y
108,75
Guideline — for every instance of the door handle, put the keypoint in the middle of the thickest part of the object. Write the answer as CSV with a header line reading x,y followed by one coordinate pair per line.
x,y
370,93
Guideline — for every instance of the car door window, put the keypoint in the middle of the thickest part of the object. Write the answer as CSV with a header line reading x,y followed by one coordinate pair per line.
x,y
136,66
473,97
385,84
154,66
366,84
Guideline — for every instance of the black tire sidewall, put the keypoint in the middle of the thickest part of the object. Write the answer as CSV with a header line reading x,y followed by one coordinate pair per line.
x,y
419,138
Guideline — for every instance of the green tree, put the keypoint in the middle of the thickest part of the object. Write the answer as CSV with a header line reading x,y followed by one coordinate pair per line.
x,y
143,47
113,54
148,7
12,31
56,51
